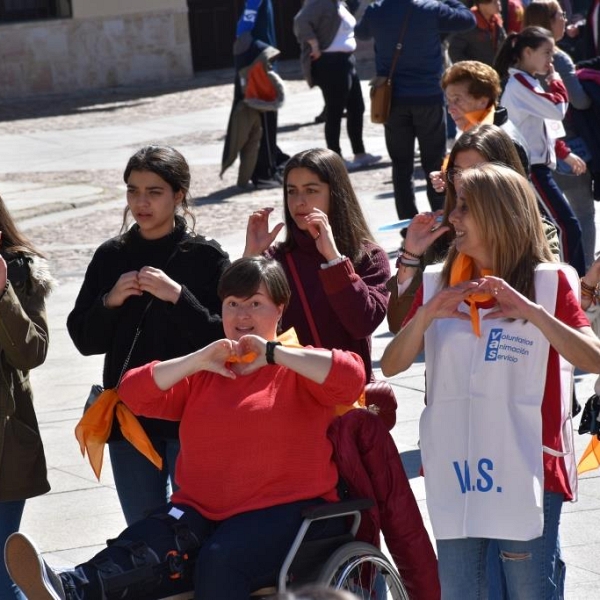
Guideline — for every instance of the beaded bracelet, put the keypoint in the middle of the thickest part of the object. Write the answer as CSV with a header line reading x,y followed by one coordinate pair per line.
x,y
403,250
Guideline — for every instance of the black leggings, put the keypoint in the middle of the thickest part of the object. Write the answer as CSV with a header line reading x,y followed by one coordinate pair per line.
x,y
335,73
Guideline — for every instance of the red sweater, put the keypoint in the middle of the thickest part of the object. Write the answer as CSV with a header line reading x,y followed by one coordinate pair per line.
x,y
251,442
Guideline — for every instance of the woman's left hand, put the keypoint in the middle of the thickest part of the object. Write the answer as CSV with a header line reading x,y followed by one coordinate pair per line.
x,y
159,284
577,164
510,304
249,345
320,230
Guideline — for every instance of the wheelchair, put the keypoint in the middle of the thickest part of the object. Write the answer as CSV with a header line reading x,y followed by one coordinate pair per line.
x,y
339,562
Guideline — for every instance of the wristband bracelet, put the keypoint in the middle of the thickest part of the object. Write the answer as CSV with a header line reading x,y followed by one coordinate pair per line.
x,y
270,352
403,250
5,289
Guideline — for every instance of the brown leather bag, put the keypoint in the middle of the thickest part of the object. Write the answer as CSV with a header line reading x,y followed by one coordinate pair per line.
x,y
381,87
381,99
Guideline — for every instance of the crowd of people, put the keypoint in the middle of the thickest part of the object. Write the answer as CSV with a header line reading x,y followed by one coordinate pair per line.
x,y
248,378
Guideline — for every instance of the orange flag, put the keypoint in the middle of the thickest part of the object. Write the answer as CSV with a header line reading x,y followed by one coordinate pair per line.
x,y
591,457
95,426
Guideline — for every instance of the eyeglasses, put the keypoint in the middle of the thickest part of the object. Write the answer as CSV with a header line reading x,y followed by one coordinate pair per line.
x,y
560,13
453,174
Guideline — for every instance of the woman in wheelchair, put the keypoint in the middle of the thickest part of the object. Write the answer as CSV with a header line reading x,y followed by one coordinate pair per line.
x,y
254,454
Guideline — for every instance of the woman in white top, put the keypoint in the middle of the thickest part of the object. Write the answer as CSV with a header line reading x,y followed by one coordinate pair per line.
x,y
325,30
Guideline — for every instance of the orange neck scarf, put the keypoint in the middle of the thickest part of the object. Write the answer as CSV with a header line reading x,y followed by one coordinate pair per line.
x,y
462,270
480,117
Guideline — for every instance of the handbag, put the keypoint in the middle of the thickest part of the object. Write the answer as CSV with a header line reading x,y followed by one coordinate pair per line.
x,y
379,395
590,417
381,87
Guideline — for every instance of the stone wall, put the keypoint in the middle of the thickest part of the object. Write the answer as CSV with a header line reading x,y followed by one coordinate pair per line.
x,y
67,55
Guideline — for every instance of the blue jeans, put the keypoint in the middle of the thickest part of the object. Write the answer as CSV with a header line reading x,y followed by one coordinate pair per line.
x,y
464,568
10,520
140,485
236,556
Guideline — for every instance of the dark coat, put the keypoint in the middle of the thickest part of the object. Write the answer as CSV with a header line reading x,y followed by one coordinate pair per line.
x,y
169,330
368,462
23,346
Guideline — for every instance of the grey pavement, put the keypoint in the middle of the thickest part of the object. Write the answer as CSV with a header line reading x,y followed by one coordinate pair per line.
x,y
73,521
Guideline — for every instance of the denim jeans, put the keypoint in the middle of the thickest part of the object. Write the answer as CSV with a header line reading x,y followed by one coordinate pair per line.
x,y
558,209
465,572
10,520
140,485
405,124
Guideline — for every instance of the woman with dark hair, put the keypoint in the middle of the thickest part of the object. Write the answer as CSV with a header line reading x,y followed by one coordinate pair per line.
x,y
330,248
538,115
157,283
571,175
25,282
254,454
501,327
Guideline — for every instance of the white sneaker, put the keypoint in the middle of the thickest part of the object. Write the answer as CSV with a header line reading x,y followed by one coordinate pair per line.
x,y
363,160
29,570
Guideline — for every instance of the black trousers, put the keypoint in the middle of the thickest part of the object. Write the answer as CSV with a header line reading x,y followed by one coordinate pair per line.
x,y
335,73
426,123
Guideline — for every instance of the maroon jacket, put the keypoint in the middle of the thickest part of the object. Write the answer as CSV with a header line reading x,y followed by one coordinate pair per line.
x,y
368,461
347,301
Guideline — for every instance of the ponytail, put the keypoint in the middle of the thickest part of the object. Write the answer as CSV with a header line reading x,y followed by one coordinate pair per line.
x,y
511,50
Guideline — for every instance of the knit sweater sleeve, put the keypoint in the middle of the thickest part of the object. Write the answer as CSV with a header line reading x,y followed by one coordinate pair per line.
x,y
91,325
139,392
566,69
359,297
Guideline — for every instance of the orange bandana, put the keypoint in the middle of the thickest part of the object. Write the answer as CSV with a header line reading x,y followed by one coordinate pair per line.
x,y
95,426
480,117
462,270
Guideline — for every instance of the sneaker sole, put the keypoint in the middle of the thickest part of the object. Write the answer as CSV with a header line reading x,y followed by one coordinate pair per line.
x,y
26,568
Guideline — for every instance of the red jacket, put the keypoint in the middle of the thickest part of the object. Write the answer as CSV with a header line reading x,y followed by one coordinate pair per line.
x,y
368,461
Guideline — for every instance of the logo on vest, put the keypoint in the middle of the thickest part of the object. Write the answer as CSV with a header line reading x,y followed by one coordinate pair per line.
x,y
483,483
503,346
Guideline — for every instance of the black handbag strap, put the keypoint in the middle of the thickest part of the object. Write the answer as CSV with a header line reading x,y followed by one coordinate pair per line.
x,y
399,44
140,324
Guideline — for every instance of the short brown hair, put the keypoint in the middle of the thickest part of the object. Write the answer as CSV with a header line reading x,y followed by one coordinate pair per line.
x,y
482,80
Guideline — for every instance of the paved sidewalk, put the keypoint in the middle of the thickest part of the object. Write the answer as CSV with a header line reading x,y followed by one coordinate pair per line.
x,y
61,176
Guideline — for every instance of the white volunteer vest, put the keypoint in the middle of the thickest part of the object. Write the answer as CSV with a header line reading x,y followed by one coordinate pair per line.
x,y
481,432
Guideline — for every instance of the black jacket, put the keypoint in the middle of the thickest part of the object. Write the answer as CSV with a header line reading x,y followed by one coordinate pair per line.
x,y
168,330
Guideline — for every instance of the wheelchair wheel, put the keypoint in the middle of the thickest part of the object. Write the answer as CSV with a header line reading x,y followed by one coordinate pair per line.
x,y
362,569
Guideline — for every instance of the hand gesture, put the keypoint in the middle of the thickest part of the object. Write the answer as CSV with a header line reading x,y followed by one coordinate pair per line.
x,y
320,230
159,284
445,303
423,230
510,304
127,285
250,345
215,358
258,236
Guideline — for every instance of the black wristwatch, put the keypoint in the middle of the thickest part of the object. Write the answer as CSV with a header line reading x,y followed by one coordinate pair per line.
x,y
270,352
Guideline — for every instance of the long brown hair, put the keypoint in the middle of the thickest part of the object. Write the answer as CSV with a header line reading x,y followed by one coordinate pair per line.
x,y
504,208
12,239
348,223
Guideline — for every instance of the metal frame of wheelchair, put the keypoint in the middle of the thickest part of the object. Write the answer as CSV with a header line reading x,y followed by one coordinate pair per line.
x,y
339,562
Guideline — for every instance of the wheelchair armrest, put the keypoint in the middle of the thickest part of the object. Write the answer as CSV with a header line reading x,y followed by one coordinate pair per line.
x,y
336,509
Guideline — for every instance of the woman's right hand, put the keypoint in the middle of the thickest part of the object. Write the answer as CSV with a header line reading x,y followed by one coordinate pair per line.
x,y
127,285
258,236
445,303
423,230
